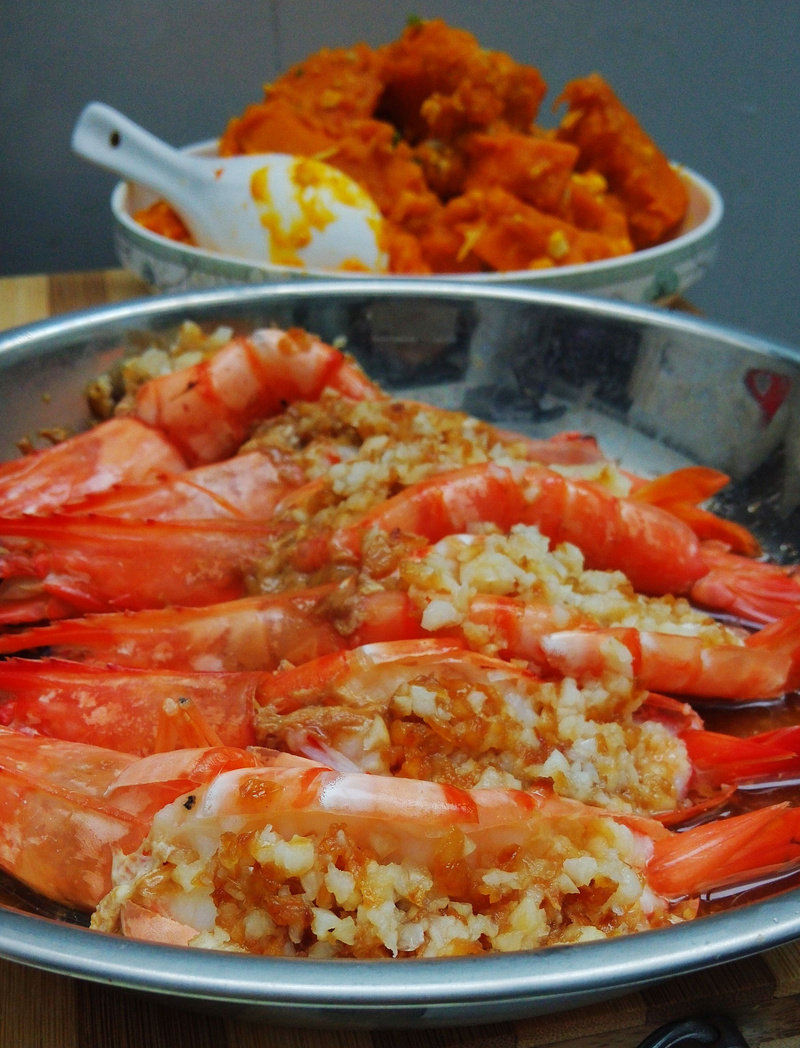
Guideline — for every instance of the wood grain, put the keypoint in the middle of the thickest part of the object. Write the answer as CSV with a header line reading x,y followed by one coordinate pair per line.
x,y
42,1010
24,300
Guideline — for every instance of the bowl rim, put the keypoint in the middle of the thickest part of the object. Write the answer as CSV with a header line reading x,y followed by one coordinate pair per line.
x,y
648,258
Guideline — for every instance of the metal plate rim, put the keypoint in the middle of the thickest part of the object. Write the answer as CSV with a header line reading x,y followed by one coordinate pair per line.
x,y
495,986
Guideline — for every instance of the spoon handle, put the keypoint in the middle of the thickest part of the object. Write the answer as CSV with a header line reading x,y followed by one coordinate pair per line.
x,y
108,138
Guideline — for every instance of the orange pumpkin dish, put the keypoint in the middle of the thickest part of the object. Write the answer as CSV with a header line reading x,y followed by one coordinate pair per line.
x,y
443,135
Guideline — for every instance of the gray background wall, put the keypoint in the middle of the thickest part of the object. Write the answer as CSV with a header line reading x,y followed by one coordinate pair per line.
x,y
714,81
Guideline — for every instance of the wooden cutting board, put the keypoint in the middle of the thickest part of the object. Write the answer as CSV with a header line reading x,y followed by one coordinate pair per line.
x,y
39,1009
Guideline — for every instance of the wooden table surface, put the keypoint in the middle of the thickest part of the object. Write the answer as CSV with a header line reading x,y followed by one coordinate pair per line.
x,y
48,1011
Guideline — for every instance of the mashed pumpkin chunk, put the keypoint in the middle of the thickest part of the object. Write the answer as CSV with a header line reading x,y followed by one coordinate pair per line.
x,y
443,134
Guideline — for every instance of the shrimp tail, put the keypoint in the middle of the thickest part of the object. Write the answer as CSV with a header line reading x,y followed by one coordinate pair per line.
x,y
737,851
754,590
781,636
681,491
718,759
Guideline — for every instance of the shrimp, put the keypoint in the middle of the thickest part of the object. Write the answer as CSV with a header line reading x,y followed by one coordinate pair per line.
x,y
198,414
249,633
657,551
298,859
770,757
733,580
61,565
553,638
61,820
568,448
682,491
421,709
122,709
245,487
121,450
755,591
433,710
270,853
207,410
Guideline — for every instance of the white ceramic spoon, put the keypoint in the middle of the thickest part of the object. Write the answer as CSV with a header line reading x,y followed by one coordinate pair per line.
x,y
269,207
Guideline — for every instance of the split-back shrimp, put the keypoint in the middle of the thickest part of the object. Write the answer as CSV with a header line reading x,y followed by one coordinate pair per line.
x,y
432,710
273,854
657,551
57,567
197,414
207,410
301,859
258,632
54,567
513,594
427,709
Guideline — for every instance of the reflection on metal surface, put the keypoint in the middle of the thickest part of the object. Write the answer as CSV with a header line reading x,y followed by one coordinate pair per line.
x,y
405,348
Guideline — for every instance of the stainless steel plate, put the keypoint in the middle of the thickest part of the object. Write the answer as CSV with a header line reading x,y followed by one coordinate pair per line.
x,y
659,389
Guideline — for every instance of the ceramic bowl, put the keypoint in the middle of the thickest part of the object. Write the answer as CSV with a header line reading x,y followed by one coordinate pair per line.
x,y
651,275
